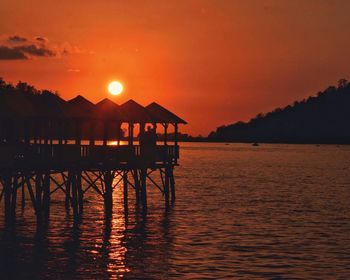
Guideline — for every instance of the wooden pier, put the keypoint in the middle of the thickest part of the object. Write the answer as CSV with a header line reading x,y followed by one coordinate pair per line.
x,y
50,145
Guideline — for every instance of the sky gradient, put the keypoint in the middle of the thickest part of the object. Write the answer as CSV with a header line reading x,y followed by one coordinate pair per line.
x,y
212,62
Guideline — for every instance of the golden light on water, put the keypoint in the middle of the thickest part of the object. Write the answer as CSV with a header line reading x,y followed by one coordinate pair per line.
x,y
115,88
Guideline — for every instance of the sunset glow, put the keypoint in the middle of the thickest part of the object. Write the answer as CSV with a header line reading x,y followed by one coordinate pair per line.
x,y
115,88
254,55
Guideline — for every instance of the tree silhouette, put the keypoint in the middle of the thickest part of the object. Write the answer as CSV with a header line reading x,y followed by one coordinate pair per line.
x,y
318,119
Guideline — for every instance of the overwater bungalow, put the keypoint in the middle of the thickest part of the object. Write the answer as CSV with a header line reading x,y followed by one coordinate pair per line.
x,y
43,135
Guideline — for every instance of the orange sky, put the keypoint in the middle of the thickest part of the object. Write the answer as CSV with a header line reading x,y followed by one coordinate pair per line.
x,y
212,62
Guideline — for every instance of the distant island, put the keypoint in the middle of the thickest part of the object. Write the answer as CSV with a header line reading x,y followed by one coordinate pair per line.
x,y
322,119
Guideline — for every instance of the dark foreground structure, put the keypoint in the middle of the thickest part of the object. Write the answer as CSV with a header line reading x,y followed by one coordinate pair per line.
x,y
48,144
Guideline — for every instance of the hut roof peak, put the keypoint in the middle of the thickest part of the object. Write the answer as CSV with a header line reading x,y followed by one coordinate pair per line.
x,y
107,101
79,99
80,107
134,112
164,114
107,109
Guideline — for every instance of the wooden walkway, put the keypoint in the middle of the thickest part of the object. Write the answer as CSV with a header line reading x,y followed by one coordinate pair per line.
x,y
41,170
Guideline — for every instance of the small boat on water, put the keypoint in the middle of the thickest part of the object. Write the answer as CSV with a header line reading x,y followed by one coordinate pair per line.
x,y
255,144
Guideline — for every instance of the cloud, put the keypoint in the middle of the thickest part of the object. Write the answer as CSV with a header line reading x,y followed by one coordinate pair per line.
x,y
20,48
7,53
17,39
35,50
24,52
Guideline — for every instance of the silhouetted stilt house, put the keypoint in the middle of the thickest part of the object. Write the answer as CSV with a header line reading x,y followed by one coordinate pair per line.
x,y
48,144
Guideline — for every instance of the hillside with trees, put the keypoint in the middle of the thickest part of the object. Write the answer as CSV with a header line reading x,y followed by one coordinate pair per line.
x,y
324,118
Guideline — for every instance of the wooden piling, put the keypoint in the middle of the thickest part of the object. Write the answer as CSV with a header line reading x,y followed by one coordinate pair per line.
x,y
74,193
137,186
166,186
7,197
30,190
125,191
23,196
68,190
108,199
14,196
46,194
38,195
143,175
172,184
80,193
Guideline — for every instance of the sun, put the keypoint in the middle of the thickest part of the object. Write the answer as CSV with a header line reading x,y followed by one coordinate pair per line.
x,y
115,88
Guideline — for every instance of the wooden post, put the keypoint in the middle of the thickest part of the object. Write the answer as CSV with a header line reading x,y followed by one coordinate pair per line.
x,y
68,187
14,196
80,193
108,198
172,184
7,197
125,188
38,195
46,194
30,190
74,194
23,193
166,186
143,176
137,186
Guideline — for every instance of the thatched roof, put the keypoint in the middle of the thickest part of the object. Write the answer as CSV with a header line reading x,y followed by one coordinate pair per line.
x,y
80,107
132,111
164,114
107,109
50,105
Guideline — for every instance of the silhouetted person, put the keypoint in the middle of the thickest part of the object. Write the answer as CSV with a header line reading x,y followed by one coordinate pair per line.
x,y
148,144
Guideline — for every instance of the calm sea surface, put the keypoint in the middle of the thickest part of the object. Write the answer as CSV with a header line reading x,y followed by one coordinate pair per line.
x,y
242,212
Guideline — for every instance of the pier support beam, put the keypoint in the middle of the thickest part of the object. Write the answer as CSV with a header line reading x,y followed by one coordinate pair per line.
x,y
80,193
172,184
143,175
166,186
46,194
14,196
74,189
137,186
108,195
38,195
68,188
23,204
7,197
125,191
